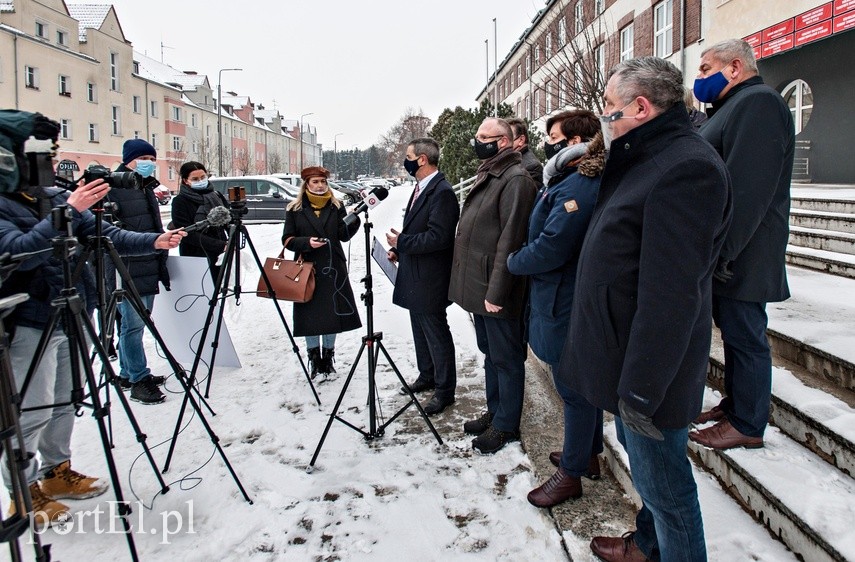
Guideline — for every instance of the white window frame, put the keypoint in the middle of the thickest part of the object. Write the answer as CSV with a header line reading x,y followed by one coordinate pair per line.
x,y
41,30
137,134
176,114
64,85
136,104
195,147
65,129
600,59
91,92
93,132
548,43
578,17
62,37
562,89
176,142
663,28
562,31
537,55
116,120
537,102
153,108
599,7
798,111
154,140
31,77
519,75
627,42
528,66
193,121
548,97
114,71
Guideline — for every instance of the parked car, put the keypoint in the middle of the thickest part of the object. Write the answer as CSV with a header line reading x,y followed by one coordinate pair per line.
x,y
266,196
293,179
349,193
164,196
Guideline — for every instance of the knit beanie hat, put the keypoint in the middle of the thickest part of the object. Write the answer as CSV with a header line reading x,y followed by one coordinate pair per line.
x,y
134,148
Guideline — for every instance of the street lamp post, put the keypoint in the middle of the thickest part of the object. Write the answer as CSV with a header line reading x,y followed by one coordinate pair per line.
x,y
301,138
220,115
335,153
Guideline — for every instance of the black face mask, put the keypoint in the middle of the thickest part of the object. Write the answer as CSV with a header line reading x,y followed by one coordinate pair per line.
x,y
411,166
553,149
485,150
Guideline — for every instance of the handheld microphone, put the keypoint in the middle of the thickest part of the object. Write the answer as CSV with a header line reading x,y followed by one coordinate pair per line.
x,y
218,216
371,200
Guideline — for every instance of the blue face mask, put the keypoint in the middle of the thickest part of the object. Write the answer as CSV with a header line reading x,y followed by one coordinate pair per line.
x,y
708,89
145,168
201,184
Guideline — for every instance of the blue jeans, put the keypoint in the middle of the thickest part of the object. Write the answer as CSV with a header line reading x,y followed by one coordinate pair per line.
x,y
132,362
47,431
583,429
501,342
315,341
669,522
747,363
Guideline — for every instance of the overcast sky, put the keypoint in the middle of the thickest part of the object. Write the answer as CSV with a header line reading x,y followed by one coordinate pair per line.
x,y
356,64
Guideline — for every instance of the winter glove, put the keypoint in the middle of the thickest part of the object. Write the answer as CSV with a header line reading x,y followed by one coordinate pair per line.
x,y
638,422
723,271
44,128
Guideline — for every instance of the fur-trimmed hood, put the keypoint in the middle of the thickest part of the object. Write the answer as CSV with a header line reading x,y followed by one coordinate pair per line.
x,y
594,161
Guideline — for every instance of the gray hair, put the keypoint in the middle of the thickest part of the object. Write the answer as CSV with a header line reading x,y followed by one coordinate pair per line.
x,y
428,147
732,49
503,126
651,77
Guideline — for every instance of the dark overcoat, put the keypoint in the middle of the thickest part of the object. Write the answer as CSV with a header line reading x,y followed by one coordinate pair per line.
x,y
138,211
532,165
425,248
556,229
191,206
332,309
752,129
641,321
492,225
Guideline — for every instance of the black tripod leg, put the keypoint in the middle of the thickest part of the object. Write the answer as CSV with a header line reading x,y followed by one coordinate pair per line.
x,y
77,348
294,347
413,399
333,414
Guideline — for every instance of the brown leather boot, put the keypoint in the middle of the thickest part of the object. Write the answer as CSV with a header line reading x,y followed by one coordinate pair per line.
x,y
618,549
559,488
593,472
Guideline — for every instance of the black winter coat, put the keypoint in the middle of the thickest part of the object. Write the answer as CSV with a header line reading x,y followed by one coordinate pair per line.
x,y
641,321
752,129
22,231
532,165
425,248
191,206
332,309
138,211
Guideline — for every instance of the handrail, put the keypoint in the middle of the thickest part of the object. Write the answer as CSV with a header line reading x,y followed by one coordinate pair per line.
x,y
461,190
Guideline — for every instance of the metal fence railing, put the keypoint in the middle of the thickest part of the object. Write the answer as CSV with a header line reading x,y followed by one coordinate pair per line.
x,y
461,190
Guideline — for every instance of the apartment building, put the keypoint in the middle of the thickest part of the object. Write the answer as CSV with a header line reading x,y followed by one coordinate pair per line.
x,y
74,64
562,59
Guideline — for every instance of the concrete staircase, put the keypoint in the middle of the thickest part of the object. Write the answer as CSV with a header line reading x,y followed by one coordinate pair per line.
x,y
800,486
822,232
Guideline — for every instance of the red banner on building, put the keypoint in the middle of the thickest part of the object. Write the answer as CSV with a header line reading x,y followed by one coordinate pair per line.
x,y
758,52
779,45
843,6
778,30
755,39
813,17
813,33
844,22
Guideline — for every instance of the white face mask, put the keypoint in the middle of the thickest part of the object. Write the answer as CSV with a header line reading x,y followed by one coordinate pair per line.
x,y
606,125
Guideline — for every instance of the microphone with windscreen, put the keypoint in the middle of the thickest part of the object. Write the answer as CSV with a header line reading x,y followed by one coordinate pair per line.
x,y
218,216
372,199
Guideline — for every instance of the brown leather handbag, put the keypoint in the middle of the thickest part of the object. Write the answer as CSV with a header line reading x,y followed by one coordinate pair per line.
x,y
291,280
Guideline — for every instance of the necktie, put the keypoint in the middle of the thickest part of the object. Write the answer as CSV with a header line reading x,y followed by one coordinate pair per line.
x,y
415,195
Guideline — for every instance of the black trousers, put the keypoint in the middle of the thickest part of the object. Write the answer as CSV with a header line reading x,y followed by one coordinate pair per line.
x,y
435,351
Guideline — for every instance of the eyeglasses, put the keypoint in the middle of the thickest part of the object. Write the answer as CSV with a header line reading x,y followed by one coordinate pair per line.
x,y
484,139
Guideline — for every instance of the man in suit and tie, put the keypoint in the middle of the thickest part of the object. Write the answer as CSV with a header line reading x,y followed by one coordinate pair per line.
x,y
423,249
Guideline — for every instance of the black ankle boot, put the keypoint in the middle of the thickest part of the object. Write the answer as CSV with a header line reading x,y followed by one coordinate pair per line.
x,y
315,361
329,353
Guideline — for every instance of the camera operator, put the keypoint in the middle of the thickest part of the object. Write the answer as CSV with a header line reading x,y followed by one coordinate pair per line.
x,y
137,210
26,226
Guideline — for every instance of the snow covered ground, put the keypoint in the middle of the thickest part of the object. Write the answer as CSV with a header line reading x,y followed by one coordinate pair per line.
x,y
402,497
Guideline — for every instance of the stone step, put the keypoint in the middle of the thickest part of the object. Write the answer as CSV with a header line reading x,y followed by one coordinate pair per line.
x,y
837,222
823,204
820,260
814,360
731,531
805,502
827,240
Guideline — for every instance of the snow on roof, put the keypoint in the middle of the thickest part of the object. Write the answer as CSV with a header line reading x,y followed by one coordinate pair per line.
x,y
90,16
236,101
7,6
157,71
267,114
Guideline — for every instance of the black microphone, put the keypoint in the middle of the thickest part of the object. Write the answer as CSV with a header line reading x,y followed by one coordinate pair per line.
x,y
218,216
371,200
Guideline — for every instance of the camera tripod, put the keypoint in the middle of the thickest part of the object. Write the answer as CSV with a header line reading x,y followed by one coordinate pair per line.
x,y
12,447
373,342
222,291
97,246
